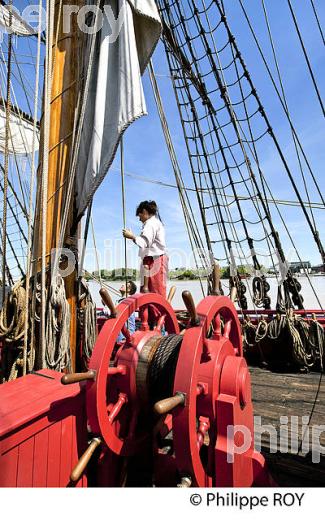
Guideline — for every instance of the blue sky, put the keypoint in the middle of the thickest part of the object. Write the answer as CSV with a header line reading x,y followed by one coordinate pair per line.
x,y
145,150
146,154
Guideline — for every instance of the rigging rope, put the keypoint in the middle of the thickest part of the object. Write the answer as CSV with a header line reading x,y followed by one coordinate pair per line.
x,y
96,251
317,20
314,231
190,221
184,65
88,323
211,111
6,161
306,56
286,106
57,354
293,203
45,170
124,213
259,48
31,194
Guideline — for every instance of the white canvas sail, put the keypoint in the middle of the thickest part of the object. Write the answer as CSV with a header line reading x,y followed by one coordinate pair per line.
x,y
17,26
116,97
20,134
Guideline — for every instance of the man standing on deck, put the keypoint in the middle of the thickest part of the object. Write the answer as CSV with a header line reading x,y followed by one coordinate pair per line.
x,y
152,249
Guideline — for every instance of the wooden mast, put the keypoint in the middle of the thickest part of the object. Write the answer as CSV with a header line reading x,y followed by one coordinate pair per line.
x,y
66,52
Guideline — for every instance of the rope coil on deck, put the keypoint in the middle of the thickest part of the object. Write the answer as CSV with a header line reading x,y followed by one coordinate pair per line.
x,y
13,317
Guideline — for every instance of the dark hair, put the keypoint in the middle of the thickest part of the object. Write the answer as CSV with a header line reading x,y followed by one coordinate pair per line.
x,y
148,205
133,287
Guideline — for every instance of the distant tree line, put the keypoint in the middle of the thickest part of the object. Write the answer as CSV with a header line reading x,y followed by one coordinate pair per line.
x,y
176,274
114,275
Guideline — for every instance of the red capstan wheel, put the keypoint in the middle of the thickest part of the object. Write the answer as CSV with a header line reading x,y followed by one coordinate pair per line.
x,y
113,400
211,372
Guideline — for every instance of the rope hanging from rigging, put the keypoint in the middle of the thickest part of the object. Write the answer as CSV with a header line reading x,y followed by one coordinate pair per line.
x,y
6,158
197,78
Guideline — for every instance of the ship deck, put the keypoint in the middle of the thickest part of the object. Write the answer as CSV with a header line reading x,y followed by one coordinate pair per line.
x,y
294,396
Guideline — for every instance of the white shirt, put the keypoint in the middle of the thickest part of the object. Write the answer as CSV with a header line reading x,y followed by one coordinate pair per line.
x,y
151,242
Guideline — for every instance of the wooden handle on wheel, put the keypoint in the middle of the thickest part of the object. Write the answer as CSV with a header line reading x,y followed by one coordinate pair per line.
x,y
84,460
146,276
171,294
69,379
106,297
233,294
167,405
190,306
216,280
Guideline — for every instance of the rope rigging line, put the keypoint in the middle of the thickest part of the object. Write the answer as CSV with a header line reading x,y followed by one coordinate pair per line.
x,y
210,129
15,215
44,190
30,222
277,145
312,75
9,275
190,222
6,159
124,212
293,203
88,323
301,149
197,154
13,191
220,146
181,60
13,249
260,50
103,284
185,201
86,232
317,20
286,105
96,251
20,115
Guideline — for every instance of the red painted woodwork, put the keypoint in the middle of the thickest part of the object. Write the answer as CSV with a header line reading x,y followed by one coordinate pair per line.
x,y
43,431
109,394
213,376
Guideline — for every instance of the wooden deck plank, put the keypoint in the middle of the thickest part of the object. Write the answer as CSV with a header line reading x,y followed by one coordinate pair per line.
x,y
292,395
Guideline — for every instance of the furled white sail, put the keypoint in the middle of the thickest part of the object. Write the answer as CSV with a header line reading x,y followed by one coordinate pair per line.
x,y
20,134
18,25
116,97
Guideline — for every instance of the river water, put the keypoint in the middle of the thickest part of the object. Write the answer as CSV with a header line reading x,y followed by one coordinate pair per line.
x,y
315,284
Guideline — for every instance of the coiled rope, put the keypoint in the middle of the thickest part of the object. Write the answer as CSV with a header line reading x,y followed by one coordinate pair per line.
x,y
87,322
13,317
305,338
58,327
260,290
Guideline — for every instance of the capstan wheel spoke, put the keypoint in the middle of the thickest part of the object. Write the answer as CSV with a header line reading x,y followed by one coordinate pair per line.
x,y
117,407
119,370
217,326
227,329
144,317
126,333
204,426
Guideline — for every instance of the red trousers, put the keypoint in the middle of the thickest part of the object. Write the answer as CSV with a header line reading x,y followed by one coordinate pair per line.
x,y
157,270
